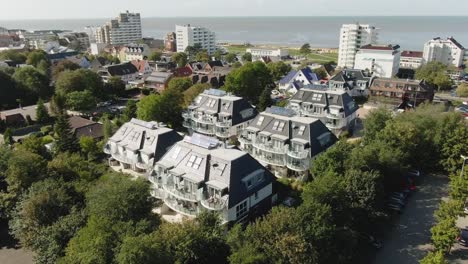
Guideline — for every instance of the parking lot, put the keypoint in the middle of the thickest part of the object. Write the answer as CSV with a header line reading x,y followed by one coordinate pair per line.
x,y
408,239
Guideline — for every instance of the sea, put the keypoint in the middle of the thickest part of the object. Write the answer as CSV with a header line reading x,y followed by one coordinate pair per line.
x,y
410,32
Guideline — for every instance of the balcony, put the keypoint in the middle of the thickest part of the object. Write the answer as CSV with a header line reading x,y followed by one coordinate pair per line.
x,y
204,119
185,209
187,123
330,125
224,123
215,203
300,154
335,116
121,158
222,133
269,147
298,160
180,193
210,130
270,159
157,193
107,150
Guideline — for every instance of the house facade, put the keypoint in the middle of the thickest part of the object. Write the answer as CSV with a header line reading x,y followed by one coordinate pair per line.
x,y
198,174
295,80
413,92
134,52
276,53
218,114
158,81
352,37
143,67
285,142
411,59
355,82
126,71
379,60
447,51
188,35
335,108
137,145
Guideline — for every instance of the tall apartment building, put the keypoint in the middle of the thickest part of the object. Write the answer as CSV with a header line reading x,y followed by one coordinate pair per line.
x,y
124,29
216,113
379,60
448,51
352,37
188,35
287,143
199,174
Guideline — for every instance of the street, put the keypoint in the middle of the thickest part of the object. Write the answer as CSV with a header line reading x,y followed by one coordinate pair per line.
x,y
9,252
408,240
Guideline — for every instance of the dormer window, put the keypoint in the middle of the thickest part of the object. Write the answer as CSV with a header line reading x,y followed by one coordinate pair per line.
x,y
260,120
301,130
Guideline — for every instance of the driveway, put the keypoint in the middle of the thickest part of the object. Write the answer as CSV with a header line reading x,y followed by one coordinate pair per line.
x,y
9,252
408,241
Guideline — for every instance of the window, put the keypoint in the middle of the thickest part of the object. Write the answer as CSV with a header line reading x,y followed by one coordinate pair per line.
x,y
260,120
256,196
316,97
227,105
275,125
241,209
301,130
176,152
191,161
278,126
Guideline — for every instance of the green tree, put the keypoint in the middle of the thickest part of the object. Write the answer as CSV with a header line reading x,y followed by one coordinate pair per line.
x,y
107,127
202,56
193,50
435,73
322,74
143,249
236,65
249,81
166,108
180,58
180,84
89,147
453,146
66,140
462,90
42,115
375,122
155,56
278,69
115,87
191,93
230,57
305,49
71,167
218,54
43,67
81,100
8,136
62,66
35,82
80,80
444,234
15,56
9,90
34,145
35,57
436,257
265,99
247,57
130,110
333,160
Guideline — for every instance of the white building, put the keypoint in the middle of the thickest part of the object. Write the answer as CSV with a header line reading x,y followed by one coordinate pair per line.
x,y
352,37
277,53
216,113
286,142
297,79
411,59
126,28
188,35
137,145
379,60
37,39
447,51
199,174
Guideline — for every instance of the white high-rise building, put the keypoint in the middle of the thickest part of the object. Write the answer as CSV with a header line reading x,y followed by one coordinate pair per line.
x,y
124,29
379,60
448,51
352,37
189,36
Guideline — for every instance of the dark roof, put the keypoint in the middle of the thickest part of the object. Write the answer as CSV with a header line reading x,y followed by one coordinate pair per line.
x,y
380,47
61,56
412,54
307,72
347,76
456,43
329,98
84,127
217,63
122,69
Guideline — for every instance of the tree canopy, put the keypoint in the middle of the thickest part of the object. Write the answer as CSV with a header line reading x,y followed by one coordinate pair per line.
x,y
305,49
278,69
435,73
180,58
166,107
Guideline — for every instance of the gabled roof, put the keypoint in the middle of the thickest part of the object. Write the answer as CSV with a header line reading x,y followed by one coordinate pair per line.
x,y
122,69
140,65
217,63
85,127
456,43
183,71
159,77
351,75
380,47
412,54
306,72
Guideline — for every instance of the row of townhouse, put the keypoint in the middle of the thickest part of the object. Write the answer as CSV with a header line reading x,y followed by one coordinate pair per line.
x,y
192,174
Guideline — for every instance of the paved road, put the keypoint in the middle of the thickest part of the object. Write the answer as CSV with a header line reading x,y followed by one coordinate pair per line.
x,y
9,253
410,238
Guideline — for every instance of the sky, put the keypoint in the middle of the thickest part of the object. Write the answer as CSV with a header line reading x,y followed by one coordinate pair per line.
x,y
56,9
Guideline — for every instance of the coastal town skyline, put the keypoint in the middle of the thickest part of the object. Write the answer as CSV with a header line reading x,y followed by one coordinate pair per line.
x,y
53,9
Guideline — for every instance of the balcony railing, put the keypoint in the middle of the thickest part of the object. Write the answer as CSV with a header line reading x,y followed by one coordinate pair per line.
x,y
275,161
335,116
210,130
298,164
333,126
244,140
222,133
123,159
180,193
300,154
215,203
269,147
204,119
174,205
224,124
157,193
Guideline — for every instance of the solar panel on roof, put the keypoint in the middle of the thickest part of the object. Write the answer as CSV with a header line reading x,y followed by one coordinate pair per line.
x,y
281,111
215,92
203,141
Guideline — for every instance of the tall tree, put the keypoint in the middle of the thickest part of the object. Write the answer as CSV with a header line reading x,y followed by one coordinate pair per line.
x,y
166,108
180,84
81,100
191,93
278,69
15,56
435,73
35,57
80,80
130,110
115,87
155,56
202,56
66,141
247,57
62,66
230,57
218,54
305,49
265,99
180,58
34,81
42,114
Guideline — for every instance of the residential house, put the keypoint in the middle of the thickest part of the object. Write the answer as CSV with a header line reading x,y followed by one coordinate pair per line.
x,y
126,71
143,67
84,127
335,108
76,39
134,52
158,80
198,174
295,80
278,54
216,113
19,116
83,61
411,59
355,82
447,51
137,145
408,91
286,142
379,60
183,72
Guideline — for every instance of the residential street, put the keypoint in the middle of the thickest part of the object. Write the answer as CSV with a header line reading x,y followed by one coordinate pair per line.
x,y
409,240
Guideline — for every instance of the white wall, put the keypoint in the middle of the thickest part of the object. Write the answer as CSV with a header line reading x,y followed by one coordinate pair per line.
x,y
251,201
385,64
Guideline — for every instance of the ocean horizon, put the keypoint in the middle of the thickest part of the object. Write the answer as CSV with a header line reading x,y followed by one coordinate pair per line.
x,y
410,32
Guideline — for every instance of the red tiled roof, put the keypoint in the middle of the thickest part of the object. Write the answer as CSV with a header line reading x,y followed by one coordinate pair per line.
x,y
140,65
413,54
183,71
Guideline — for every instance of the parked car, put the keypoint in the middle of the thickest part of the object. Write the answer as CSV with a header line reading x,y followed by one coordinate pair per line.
x,y
463,237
